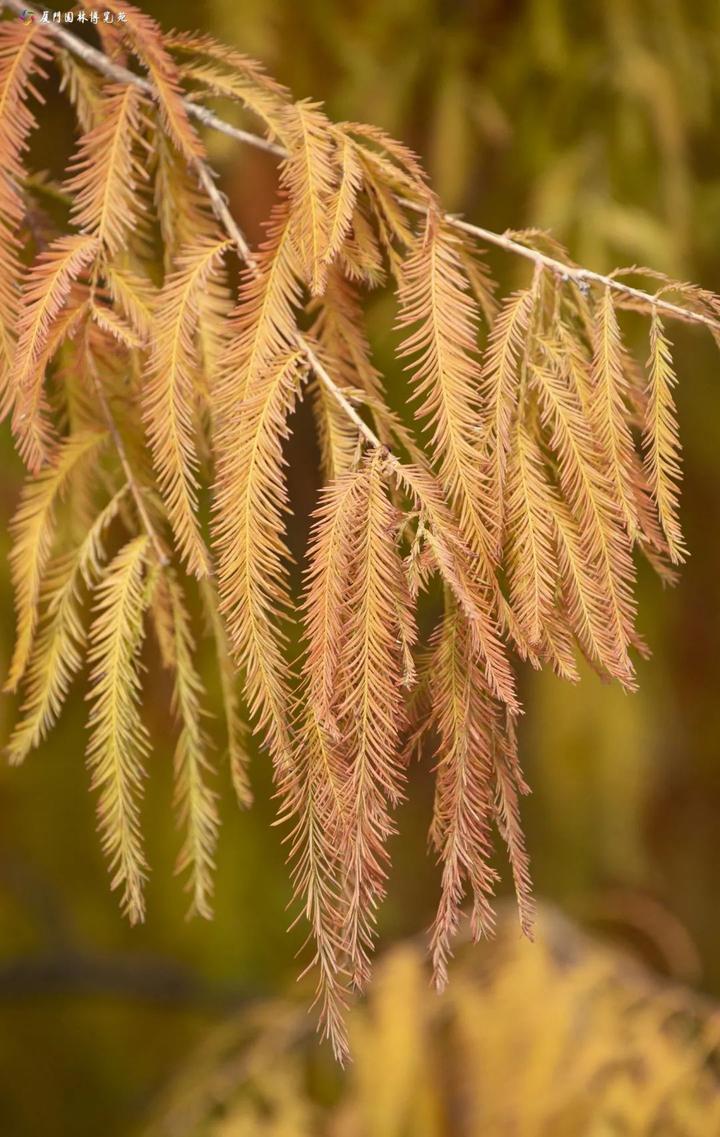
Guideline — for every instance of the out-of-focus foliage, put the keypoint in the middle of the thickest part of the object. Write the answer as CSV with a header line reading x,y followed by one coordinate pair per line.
x,y
595,120
562,1038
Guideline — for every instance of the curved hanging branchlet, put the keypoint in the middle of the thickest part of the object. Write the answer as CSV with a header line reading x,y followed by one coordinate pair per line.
x,y
457,565
182,209
343,202
594,551
530,558
328,578
194,799
25,49
135,297
255,392
262,325
83,88
435,295
349,767
315,790
399,164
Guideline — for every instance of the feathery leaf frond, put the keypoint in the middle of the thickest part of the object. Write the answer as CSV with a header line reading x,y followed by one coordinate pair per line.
x,y
662,461
106,174
310,175
344,199
24,50
461,710
596,547
115,326
119,741
435,301
134,296
252,571
182,211
236,728
84,89
456,565
326,586
45,292
230,74
510,784
33,530
57,650
369,710
168,397
312,792
194,799
262,326
609,391
406,163
507,344
530,562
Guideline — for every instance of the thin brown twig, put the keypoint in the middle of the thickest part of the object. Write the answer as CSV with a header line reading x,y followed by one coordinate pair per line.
x,y
206,178
570,272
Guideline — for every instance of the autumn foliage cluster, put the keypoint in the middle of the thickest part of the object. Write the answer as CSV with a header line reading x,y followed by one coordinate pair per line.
x,y
150,366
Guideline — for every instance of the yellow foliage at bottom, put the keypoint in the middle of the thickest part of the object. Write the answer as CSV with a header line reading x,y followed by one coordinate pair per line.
x,y
560,1038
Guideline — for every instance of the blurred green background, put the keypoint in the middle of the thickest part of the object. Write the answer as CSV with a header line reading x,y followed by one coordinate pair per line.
x,y
599,122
